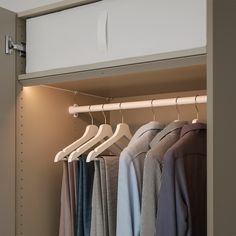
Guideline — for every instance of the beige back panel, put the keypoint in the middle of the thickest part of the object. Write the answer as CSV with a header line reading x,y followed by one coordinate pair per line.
x,y
44,128
221,83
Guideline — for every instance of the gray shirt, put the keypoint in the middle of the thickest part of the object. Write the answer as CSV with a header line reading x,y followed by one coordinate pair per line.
x,y
104,200
182,200
130,180
68,200
152,175
97,219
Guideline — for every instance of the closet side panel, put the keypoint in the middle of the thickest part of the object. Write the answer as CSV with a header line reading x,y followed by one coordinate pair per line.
x,y
210,134
222,117
7,126
44,128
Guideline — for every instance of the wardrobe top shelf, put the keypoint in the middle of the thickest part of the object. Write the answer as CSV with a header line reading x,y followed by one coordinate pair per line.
x,y
53,7
167,72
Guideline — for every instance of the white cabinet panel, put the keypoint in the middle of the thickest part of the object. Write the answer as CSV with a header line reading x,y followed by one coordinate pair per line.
x,y
63,39
114,29
145,27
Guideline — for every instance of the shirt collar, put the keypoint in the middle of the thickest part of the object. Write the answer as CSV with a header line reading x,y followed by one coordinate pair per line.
x,y
153,125
168,129
192,127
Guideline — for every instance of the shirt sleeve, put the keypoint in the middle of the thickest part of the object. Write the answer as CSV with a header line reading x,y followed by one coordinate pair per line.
x,y
172,214
151,186
128,202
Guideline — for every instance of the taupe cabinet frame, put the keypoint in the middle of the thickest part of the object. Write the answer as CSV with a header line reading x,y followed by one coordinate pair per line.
x,y
221,86
7,126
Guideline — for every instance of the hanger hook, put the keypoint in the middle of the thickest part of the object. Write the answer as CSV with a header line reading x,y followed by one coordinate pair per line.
x,y
196,107
153,110
105,118
122,116
90,114
177,108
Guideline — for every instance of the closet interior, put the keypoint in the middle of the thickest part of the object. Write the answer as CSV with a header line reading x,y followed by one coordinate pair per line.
x,y
45,126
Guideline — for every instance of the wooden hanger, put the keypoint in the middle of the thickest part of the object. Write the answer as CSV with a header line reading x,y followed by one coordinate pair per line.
x,y
90,132
104,131
122,131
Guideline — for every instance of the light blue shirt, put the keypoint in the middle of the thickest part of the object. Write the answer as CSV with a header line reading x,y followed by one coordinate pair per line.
x,y
131,164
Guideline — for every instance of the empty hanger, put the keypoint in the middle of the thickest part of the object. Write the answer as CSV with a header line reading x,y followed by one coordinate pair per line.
x,y
196,120
122,131
104,131
90,132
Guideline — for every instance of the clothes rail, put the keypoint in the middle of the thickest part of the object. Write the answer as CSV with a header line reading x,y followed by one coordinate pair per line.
x,y
138,104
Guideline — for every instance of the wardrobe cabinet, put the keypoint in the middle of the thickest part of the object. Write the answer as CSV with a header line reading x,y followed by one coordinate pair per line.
x,y
113,51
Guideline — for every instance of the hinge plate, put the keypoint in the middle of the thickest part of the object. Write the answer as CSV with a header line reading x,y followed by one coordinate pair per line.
x,y
10,46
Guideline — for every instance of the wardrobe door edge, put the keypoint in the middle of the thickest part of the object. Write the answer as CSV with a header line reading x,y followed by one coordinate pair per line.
x,y
7,126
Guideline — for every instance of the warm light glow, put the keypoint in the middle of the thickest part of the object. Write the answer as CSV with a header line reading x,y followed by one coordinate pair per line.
x,y
27,88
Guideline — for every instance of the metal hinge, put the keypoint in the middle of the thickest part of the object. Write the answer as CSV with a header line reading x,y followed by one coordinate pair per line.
x,y
10,46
